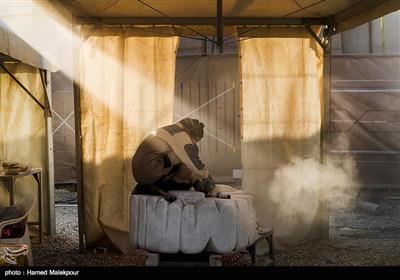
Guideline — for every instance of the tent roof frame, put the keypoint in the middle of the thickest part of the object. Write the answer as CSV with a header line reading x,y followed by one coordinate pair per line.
x,y
204,20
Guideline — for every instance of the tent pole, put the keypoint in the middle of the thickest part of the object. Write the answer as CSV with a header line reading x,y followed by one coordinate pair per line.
x,y
220,26
78,141
370,43
325,135
326,98
45,77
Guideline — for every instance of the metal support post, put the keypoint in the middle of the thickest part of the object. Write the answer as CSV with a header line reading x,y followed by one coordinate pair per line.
x,y
78,141
51,228
220,26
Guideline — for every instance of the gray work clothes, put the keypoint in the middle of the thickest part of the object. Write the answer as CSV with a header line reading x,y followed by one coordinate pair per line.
x,y
163,150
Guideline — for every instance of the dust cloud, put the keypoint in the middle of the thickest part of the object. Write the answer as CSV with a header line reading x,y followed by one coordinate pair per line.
x,y
298,189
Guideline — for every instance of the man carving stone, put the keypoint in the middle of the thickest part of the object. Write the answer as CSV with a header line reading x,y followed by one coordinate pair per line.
x,y
168,159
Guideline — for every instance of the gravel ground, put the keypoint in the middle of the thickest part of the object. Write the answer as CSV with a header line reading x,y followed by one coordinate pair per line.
x,y
356,239
65,195
62,249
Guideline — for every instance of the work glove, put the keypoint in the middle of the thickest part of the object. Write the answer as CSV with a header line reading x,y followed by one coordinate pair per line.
x,y
205,185
170,197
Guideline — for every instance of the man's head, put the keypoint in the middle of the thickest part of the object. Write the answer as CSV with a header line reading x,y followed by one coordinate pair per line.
x,y
193,127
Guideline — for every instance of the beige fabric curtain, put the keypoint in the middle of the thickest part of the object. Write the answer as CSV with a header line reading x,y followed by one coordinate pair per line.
x,y
127,89
22,130
281,115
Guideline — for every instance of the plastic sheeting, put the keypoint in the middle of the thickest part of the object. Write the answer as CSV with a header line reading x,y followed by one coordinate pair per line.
x,y
365,116
281,108
127,90
208,88
63,129
22,130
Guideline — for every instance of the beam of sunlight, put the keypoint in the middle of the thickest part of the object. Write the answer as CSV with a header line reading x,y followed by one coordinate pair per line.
x,y
49,33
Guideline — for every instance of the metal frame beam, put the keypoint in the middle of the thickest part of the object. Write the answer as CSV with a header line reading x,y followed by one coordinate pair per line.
x,y
43,77
356,9
315,36
6,58
201,21
220,26
22,86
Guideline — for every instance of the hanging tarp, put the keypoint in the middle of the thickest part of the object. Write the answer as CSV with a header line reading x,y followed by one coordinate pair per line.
x,y
23,131
281,117
127,90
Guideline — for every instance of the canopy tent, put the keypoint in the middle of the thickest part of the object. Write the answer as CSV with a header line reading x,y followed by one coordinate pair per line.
x,y
13,48
25,120
302,88
343,14
188,16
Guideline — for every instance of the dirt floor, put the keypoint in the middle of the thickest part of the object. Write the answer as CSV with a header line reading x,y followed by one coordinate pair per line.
x,y
356,238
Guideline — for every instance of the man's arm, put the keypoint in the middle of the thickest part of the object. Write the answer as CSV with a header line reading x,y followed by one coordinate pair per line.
x,y
188,153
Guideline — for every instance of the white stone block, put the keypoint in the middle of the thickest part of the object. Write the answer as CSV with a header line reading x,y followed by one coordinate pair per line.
x,y
192,225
